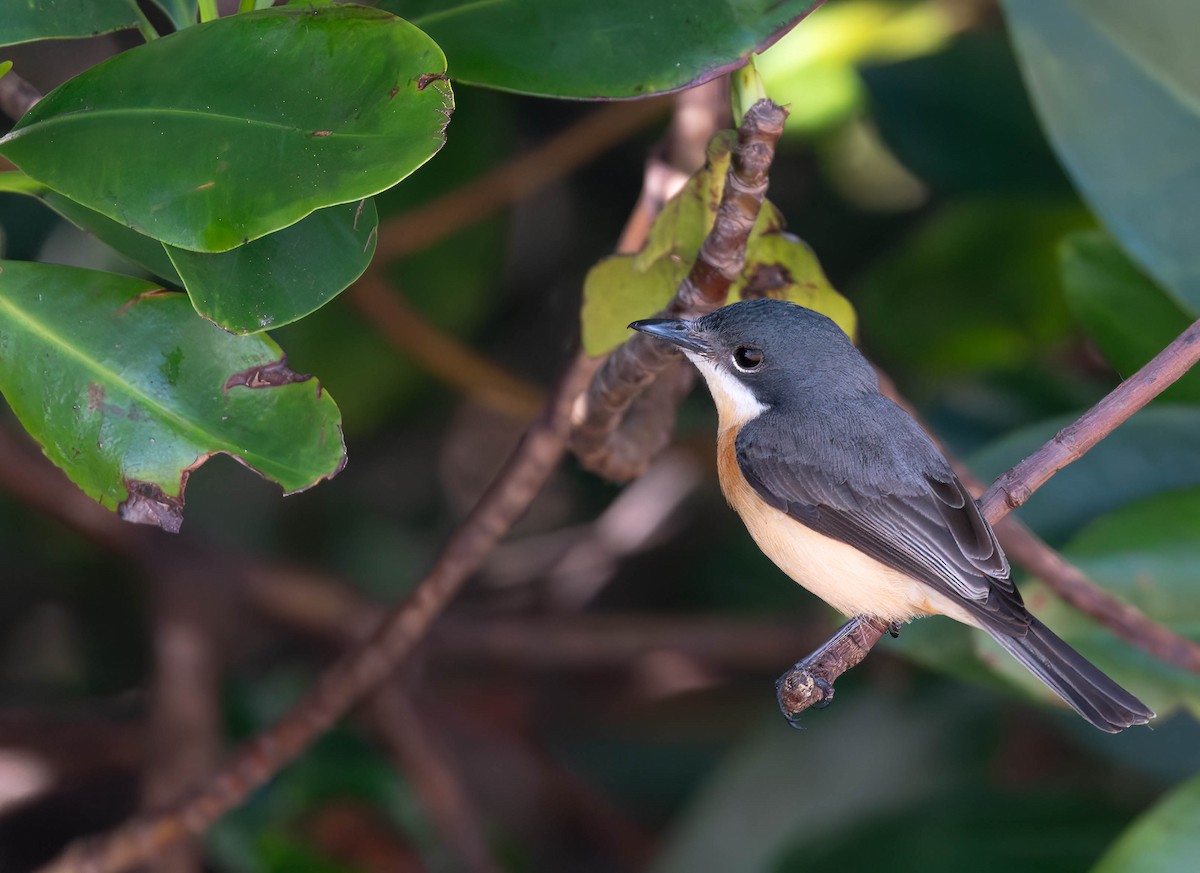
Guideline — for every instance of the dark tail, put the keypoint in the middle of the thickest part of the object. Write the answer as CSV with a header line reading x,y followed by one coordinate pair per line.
x,y
1076,680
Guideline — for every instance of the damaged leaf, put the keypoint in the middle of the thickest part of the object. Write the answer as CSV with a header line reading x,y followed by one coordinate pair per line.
x,y
297,108
128,392
619,48
624,288
283,276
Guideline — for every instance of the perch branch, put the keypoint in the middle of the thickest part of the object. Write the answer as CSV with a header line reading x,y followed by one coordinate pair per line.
x,y
810,683
599,439
1069,444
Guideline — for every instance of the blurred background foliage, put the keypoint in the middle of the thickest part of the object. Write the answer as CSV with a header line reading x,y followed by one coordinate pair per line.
x,y
573,687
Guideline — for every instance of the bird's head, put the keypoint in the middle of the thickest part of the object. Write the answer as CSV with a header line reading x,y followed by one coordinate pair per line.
x,y
759,354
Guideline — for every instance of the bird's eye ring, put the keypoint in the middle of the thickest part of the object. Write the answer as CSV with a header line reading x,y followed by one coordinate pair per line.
x,y
747,358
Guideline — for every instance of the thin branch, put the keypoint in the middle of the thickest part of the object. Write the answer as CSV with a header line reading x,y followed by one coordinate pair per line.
x,y
520,177
348,680
810,683
1073,441
598,439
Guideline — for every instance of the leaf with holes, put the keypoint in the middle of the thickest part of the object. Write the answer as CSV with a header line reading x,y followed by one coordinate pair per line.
x,y
230,130
128,392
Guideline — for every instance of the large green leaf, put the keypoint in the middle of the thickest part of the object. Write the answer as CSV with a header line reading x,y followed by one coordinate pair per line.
x,y
1166,839
1118,89
227,131
283,276
128,392
620,48
27,20
1128,316
1155,451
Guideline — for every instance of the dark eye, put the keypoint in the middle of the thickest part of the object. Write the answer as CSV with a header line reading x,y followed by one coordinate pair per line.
x,y
748,358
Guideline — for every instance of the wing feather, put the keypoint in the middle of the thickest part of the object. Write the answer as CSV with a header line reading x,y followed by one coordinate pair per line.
x,y
886,490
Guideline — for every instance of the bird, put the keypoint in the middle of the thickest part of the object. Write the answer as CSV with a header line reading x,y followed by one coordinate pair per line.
x,y
850,497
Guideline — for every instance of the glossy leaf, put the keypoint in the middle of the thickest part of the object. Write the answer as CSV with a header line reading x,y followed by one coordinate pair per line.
x,y
1118,89
128,392
621,48
28,20
1165,839
283,276
227,131
1129,317
623,288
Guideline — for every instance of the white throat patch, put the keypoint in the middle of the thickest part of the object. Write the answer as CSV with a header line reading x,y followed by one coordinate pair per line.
x,y
736,404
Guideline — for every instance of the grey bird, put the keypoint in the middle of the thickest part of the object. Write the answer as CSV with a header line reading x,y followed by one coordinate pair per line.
x,y
846,493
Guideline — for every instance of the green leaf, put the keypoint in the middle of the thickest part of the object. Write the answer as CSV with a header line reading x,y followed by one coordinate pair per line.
x,y
1153,452
623,288
620,48
1129,317
227,131
1166,839
28,20
128,392
1118,89
283,276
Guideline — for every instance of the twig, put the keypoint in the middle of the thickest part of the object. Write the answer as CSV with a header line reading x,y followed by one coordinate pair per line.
x,y
810,683
348,680
598,438
557,156
16,95
440,354
1069,444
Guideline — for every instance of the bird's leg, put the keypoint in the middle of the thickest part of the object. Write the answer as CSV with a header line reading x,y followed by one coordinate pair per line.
x,y
810,682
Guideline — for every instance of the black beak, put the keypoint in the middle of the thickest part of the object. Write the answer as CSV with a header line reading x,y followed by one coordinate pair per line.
x,y
680,333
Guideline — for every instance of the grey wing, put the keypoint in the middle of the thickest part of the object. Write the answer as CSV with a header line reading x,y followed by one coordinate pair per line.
x,y
919,520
